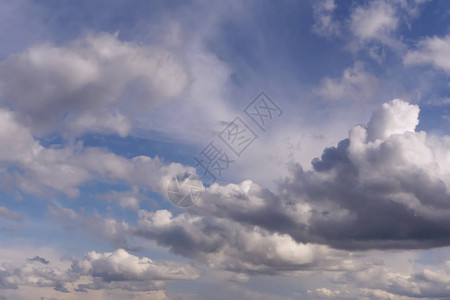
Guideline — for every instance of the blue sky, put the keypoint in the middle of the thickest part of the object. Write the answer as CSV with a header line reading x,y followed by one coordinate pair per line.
x,y
344,195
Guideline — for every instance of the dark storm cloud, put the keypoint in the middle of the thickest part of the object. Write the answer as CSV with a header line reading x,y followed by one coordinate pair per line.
x,y
384,187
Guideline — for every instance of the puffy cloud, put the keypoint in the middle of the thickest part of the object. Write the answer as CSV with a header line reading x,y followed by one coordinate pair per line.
x,y
395,117
80,87
374,21
123,270
375,24
44,170
116,270
370,27
35,274
228,244
385,186
431,51
356,84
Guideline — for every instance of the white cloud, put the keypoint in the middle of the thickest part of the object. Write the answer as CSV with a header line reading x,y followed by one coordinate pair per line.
x,y
324,18
431,51
118,270
34,274
395,117
371,27
375,21
383,187
82,86
64,169
355,84
229,244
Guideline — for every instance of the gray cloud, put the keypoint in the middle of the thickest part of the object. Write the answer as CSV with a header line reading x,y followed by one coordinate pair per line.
x,y
107,229
381,281
125,271
39,259
64,169
236,246
385,186
31,274
80,87
116,270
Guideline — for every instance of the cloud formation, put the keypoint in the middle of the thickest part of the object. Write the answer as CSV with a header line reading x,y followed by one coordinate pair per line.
x,y
82,86
356,84
431,51
45,170
122,270
385,186
110,270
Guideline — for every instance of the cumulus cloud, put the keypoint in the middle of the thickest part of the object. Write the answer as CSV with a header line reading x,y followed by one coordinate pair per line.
x,y
123,270
80,87
371,26
431,51
46,170
374,21
385,186
395,117
355,84
224,243
115,270
35,274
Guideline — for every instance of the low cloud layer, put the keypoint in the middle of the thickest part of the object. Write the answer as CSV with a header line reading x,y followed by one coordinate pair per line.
x,y
115,270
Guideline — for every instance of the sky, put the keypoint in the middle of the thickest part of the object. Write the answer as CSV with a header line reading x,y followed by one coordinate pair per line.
x,y
316,135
